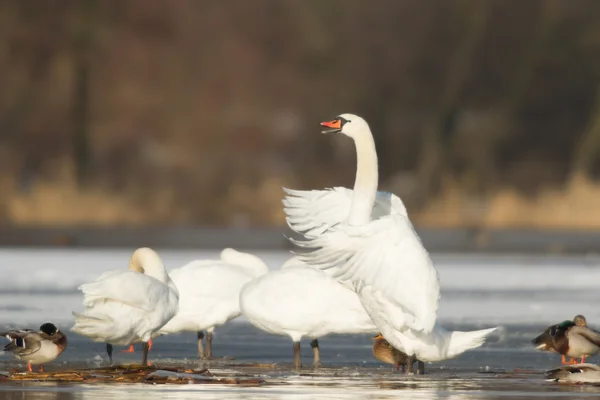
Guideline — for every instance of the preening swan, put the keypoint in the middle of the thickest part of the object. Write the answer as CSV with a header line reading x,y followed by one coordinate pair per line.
x,y
382,256
125,307
209,293
300,301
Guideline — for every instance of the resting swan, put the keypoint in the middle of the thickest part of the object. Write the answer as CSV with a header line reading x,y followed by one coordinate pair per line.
x,y
209,293
125,307
382,256
300,301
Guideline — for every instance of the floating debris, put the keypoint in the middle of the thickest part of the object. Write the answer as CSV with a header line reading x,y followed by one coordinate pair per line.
x,y
132,374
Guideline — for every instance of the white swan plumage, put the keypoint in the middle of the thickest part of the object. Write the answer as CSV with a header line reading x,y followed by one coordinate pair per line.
x,y
209,293
122,307
381,254
300,301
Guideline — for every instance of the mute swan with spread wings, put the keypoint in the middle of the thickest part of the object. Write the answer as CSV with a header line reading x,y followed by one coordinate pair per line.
x,y
125,307
378,251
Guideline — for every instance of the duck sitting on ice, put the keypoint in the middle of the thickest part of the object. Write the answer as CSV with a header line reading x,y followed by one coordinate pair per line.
x,y
36,347
580,373
385,352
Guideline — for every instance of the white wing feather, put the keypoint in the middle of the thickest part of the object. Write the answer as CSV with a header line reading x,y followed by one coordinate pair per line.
x,y
387,255
313,212
126,287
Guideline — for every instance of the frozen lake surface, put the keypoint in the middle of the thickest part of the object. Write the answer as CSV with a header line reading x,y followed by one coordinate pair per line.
x,y
522,294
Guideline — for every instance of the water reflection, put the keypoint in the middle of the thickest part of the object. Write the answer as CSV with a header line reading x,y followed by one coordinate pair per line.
x,y
307,387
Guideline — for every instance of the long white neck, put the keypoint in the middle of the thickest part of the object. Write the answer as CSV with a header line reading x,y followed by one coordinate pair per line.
x,y
147,261
367,179
156,270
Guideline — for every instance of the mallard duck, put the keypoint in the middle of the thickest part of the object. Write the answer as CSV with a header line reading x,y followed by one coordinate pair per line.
x,y
385,352
570,338
582,373
36,347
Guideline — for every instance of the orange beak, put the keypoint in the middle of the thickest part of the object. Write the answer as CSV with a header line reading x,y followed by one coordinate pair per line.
x,y
333,126
377,337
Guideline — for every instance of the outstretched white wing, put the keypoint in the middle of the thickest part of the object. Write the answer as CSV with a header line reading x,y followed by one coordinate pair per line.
x,y
312,212
387,255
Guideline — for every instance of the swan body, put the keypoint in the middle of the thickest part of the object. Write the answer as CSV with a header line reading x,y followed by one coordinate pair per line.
x,y
303,302
379,251
125,307
209,292
299,301
36,347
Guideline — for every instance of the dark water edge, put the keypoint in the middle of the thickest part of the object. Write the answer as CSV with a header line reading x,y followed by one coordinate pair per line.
x,y
435,240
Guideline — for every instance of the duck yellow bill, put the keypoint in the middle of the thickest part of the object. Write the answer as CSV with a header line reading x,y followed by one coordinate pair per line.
x,y
377,337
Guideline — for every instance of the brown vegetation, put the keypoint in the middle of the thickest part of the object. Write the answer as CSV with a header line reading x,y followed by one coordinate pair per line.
x,y
485,112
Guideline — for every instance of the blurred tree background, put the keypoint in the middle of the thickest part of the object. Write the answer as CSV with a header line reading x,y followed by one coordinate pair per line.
x,y
195,112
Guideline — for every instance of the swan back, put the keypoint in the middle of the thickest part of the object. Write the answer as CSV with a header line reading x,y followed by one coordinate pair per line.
x,y
146,261
249,262
293,262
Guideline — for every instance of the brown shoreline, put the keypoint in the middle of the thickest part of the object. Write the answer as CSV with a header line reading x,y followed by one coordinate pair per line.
x,y
435,240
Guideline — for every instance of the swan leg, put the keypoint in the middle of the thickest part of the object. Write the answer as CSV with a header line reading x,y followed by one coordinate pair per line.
x,y
209,337
109,351
149,344
29,367
582,359
145,354
129,350
297,363
420,368
409,364
563,360
200,345
316,353
41,368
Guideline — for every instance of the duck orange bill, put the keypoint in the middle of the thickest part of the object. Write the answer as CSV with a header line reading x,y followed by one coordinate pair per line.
x,y
377,337
335,124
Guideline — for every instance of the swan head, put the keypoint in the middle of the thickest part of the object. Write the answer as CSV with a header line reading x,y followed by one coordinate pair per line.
x,y
349,124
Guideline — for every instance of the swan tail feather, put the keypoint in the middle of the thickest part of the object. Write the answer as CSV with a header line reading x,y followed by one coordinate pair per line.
x,y
463,341
92,327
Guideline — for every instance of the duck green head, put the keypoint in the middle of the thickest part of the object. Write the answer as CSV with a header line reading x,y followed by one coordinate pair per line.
x,y
566,324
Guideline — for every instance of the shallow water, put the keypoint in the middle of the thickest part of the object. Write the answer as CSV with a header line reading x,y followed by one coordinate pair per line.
x,y
521,294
